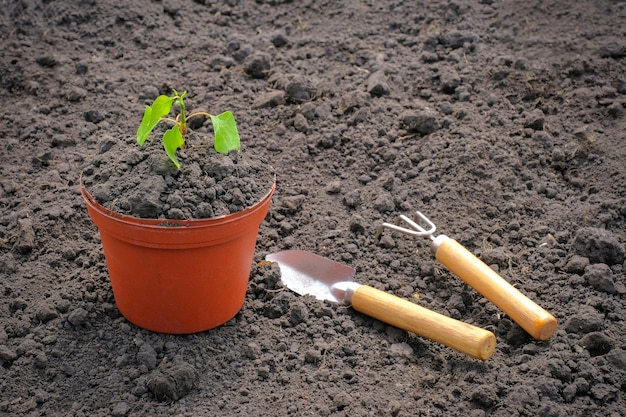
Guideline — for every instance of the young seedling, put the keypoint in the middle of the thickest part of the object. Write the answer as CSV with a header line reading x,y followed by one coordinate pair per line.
x,y
224,126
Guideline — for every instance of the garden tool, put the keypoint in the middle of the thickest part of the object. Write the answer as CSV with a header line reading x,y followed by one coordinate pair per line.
x,y
535,320
306,273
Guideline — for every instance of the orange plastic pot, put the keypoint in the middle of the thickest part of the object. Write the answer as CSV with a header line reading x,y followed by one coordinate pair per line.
x,y
178,276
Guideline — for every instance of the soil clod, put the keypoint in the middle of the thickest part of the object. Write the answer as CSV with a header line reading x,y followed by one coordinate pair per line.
x,y
172,381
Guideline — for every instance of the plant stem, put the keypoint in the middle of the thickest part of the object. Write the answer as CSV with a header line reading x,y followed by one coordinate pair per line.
x,y
183,117
200,113
172,121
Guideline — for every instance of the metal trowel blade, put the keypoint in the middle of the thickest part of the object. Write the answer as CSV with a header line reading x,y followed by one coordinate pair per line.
x,y
306,273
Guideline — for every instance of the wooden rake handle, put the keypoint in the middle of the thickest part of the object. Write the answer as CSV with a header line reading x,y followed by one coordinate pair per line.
x,y
465,338
535,320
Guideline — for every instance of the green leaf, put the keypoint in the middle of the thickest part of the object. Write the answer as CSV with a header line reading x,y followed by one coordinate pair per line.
x,y
172,140
152,115
226,133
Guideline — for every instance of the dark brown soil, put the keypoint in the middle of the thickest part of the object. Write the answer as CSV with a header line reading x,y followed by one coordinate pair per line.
x,y
503,121
143,182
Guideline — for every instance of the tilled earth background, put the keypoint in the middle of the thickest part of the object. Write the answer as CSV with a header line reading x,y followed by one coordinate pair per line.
x,y
503,121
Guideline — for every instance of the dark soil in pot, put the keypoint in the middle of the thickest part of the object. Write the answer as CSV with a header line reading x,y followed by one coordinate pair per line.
x,y
143,182
503,121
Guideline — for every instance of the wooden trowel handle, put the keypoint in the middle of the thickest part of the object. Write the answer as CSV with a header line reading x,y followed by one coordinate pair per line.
x,y
474,341
535,320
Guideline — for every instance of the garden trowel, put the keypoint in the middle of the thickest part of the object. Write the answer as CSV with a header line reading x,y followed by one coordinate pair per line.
x,y
306,273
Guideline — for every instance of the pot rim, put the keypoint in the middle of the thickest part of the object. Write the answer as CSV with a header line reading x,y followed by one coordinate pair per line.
x,y
172,223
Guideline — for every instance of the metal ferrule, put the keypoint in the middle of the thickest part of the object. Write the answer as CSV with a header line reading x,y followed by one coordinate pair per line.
x,y
436,242
344,291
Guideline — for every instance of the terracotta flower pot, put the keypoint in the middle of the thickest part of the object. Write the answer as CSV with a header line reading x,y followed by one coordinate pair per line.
x,y
178,276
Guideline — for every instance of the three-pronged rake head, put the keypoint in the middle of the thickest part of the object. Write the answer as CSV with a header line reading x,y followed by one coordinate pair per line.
x,y
426,228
